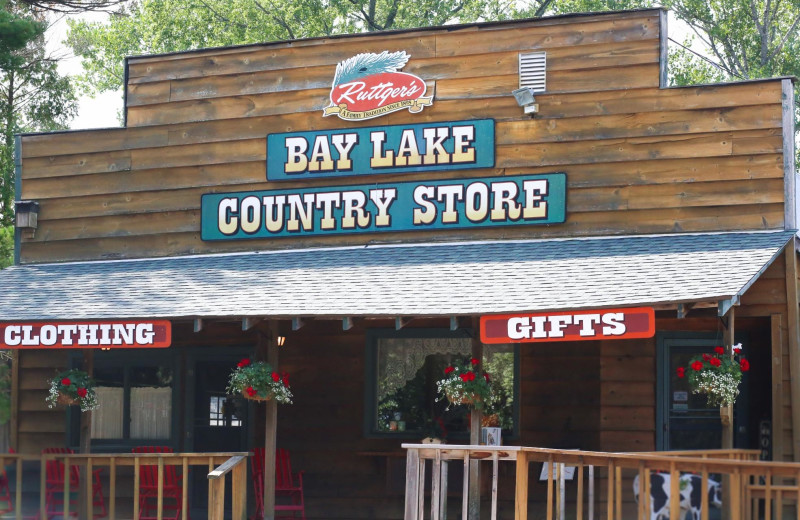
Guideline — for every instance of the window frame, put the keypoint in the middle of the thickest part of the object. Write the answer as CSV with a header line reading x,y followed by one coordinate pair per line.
x,y
371,379
126,360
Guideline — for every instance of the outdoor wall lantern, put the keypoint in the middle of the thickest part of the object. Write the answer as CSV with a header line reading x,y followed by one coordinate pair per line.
x,y
280,340
525,99
27,215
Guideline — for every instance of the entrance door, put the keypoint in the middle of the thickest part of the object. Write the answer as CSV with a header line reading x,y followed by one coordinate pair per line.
x,y
218,422
685,421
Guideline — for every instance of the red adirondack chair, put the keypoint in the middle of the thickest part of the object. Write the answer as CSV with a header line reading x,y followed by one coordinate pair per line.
x,y
5,491
288,485
54,487
148,487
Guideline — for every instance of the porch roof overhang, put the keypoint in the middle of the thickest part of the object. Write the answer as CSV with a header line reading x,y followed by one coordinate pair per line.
x,y
408,280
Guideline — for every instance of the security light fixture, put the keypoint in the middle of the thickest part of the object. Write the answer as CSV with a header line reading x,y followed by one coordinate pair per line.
x,y
525,99
280,340
27,217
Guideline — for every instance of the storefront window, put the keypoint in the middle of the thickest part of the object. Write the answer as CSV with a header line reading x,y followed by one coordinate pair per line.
x,y
135,401
404,396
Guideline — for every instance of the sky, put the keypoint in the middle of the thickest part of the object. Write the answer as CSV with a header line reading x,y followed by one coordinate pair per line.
x,y
103,110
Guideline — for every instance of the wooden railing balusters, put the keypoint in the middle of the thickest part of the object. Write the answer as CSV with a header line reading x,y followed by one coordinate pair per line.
x,y
674,490
412,484
67,478
421,503
618,489
521,488
465,491
18,490
768,496
136,491
160,494
579,493
185,489
436,478
550,488
591,492
112,489
610,492
495,471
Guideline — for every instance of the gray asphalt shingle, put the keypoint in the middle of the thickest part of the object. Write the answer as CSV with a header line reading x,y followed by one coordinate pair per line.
x,y
407,280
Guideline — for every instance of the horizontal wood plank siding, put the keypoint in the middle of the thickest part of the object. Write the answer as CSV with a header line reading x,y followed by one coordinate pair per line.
x,y
638,158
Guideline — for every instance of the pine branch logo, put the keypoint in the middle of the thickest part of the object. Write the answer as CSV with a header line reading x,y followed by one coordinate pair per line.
x,y
370,85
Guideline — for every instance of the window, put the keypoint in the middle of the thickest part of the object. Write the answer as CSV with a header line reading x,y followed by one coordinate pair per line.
x,y
404,367
135,398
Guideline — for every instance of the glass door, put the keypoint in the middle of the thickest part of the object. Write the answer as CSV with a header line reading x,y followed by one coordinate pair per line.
x,y
684,420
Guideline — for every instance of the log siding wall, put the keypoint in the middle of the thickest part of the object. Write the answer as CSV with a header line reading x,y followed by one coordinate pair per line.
x,y
638,158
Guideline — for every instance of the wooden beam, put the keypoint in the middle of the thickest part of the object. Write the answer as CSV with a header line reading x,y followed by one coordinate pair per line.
x,y
347,323
297,323
794,344
14,400
271,431
777,387
249,323
454,323
198,324
684,309
400,322
728,338
475,437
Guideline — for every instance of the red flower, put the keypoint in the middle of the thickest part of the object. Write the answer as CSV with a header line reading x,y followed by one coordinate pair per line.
x,y
719,350
681,372
474,361
471,376
285,378
66,382
276,377
706,357
82,392
697,365
715,362
449,370
744,365
486,376
465,376
250,391
243,363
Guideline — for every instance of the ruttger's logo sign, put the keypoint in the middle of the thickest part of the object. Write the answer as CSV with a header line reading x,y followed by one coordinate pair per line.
x,y
369,85
95,334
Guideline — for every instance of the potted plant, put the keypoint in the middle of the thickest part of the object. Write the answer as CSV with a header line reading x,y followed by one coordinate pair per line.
x,y
718,376
72,387
259,382
464,385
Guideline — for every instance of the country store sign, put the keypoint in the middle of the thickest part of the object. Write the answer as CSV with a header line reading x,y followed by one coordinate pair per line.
x,y
444,203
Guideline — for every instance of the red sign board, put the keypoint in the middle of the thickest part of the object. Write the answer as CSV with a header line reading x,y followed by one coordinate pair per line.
x,y
630,323
86,334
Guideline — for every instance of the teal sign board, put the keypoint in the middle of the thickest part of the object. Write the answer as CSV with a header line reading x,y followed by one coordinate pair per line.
x,y
380,149
398,206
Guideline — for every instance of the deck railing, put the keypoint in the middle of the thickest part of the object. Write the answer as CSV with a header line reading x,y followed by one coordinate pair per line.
x,y
755,489
216,465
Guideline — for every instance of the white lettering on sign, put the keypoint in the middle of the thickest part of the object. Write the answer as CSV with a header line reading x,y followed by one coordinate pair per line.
x,y
79,335
553,326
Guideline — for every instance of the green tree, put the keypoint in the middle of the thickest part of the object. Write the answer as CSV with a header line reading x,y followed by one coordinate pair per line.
x,y
158,26
6,246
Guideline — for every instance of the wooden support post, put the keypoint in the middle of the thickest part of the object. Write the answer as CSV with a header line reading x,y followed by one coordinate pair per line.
x,y
521,490
270,431
727,429
198,325
794,344
475,435
85,445
239,488
728,338
297,323
777,387
412,484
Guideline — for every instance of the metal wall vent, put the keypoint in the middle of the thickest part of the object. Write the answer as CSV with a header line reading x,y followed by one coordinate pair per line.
x,y
532,70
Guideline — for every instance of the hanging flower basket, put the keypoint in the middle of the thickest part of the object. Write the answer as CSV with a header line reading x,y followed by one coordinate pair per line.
x,y
717,375
72,388
259,382
462,385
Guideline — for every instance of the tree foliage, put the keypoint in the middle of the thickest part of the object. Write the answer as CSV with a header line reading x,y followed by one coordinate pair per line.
x,y
6,246
33,97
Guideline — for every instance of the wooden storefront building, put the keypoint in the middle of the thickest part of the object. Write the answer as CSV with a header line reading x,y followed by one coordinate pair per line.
x,y
370,198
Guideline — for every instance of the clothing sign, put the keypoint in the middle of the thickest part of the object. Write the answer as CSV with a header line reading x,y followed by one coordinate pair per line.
x,y
380,149
568,326
79,334
400,206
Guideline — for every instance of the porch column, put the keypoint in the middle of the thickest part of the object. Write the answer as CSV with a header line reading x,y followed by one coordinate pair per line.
x,y
266,339
727,429
793,328
475,434
84,502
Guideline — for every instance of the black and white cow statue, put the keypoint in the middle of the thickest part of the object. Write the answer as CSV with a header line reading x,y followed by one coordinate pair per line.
x,y
690,495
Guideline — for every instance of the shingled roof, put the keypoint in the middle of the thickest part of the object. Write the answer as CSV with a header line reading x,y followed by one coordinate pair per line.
x,y
433,279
